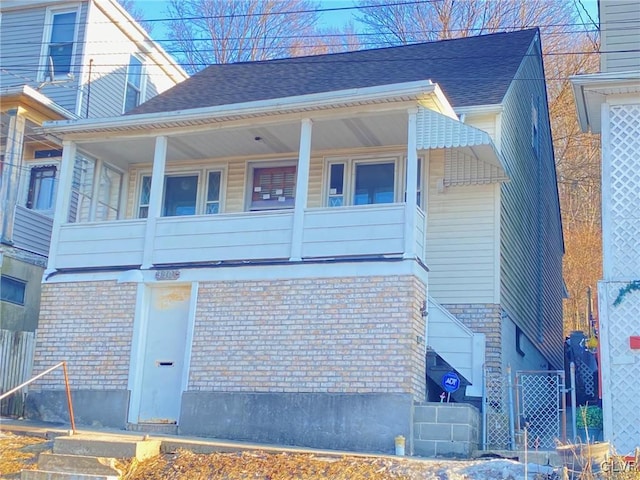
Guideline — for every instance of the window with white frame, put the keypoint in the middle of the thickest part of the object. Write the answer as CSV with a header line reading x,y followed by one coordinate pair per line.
x,y
133,91
362,181
81,189
59,46
91,201
273,187
108,198
182,194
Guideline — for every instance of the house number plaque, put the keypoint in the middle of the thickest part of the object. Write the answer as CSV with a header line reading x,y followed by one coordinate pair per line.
x,y
167,274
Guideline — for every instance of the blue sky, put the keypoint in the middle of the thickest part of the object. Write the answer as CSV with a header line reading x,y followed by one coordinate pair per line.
x,y
155,9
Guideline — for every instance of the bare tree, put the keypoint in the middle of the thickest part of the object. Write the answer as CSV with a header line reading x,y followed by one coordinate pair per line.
x,y
205,32
137,14
394,23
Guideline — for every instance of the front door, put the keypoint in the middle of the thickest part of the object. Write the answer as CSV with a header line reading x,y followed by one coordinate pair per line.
x,y
164,358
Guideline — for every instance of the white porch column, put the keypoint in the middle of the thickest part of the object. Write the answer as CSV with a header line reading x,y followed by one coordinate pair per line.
x,y
412,187
155,200
63,197
10,177
302,189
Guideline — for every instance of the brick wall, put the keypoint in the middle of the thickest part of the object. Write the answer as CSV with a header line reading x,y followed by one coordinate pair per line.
x,y
88,324
483,318
344,335
341,335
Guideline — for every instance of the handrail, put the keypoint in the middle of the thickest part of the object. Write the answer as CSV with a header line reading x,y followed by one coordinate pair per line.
x,y
40,375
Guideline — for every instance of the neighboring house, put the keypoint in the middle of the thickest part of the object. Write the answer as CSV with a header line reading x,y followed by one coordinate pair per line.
x,y
58,60
265,272
609,103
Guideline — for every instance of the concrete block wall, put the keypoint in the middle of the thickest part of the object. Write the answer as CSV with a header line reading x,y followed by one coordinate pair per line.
x,y
446,430
483,318
317,335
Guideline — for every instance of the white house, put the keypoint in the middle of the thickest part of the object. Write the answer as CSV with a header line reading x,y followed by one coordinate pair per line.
x,y
286,239
609,103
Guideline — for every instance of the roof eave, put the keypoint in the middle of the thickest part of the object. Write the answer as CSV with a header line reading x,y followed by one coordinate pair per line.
x,y
358,96
591,90
26,94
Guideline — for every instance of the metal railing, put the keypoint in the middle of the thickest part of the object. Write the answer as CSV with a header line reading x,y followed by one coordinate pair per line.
x,y
40,375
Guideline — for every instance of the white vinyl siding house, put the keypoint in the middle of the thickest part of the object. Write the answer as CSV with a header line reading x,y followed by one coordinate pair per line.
x,y
620,45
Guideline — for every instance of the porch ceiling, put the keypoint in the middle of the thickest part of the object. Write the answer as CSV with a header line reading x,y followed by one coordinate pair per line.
x,y
373,130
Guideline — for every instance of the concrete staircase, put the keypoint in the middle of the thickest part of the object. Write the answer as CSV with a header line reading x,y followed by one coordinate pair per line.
x,y
90,457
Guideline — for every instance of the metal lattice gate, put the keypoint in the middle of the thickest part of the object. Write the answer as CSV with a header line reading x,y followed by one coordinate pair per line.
x,y
532,406
540,407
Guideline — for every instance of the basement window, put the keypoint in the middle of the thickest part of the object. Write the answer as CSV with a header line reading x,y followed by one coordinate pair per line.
x,y
12,290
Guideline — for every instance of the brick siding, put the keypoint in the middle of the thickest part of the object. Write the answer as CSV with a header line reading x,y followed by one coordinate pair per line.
x,y
345,335
333,335
90,325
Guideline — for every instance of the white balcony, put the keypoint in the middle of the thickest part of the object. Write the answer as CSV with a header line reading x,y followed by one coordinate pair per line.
x,y
347,232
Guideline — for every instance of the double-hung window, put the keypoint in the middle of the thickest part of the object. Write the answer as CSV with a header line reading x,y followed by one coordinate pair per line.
x,y
182,194
59,51
133,93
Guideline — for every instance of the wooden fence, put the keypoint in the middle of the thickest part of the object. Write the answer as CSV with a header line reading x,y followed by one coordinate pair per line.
x,y
16,360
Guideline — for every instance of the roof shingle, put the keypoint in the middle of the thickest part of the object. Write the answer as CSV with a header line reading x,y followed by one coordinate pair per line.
x,y
470,71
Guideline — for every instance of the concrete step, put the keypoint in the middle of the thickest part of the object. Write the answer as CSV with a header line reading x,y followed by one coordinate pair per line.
x,y
45,475
56,462
108,446
155,428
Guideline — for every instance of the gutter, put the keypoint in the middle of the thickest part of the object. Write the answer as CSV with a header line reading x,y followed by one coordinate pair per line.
x,y
314,101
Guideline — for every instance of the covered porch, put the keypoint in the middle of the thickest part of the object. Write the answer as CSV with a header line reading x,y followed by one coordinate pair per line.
x,y
304,179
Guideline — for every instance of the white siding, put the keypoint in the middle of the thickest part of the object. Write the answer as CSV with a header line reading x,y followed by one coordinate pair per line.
x,y
461,236
620,32
32,231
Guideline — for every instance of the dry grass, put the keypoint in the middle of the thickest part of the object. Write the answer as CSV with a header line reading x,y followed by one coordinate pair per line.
x,y
19,452
185,465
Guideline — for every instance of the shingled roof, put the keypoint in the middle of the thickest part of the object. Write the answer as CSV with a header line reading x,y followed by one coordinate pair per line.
x,y
470,71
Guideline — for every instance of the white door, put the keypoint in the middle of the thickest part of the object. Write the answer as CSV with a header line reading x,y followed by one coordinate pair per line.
x,y
163,368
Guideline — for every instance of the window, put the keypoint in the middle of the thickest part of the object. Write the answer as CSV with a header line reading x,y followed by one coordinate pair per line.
x,y
41,188
535,125
108,194
96,191
12,290
336,184
181,194
81,189
374,183
133,93
213,193
273,188
360,181
59,53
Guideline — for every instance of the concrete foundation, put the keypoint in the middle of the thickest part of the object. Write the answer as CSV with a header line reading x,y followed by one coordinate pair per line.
x,y
99,408
359,422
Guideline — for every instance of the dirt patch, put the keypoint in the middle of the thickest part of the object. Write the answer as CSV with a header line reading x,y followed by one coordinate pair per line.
x,y
20,452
